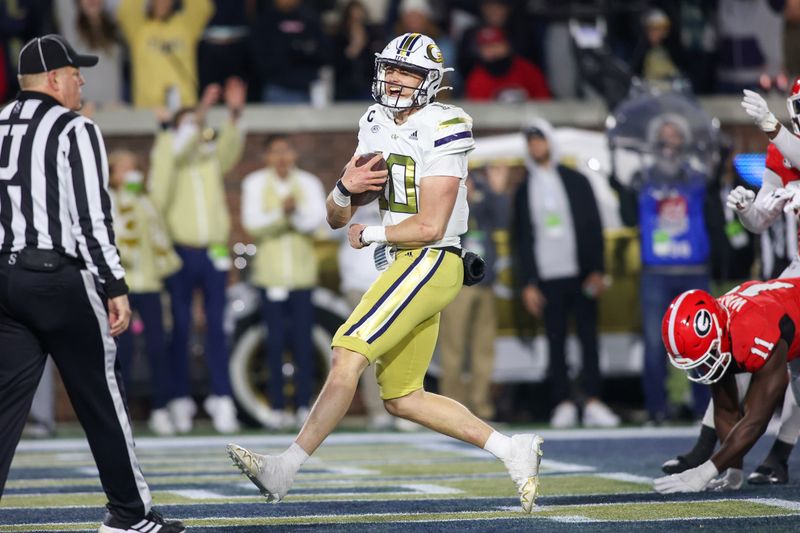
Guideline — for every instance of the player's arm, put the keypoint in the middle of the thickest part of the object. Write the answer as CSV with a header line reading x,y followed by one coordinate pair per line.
x,y
726,405
759,214
788,144
766,389
437,195
354,180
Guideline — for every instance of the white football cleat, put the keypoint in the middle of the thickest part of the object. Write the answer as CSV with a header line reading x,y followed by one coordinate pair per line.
x,y
267,472
523,466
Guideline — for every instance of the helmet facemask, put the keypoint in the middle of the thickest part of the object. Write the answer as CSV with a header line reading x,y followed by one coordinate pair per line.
x,y
389,94
793,103
708,368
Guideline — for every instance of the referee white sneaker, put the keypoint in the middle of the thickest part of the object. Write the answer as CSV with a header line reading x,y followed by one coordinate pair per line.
x,y
523,466
152,522
273,476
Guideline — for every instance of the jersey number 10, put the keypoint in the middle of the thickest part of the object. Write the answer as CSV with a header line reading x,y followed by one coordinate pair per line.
x,y
405,200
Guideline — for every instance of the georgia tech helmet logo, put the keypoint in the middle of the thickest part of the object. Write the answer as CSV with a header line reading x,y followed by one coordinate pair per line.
x,y
434,54
702,323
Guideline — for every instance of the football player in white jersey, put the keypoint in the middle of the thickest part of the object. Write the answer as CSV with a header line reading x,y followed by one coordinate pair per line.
x,y
424,211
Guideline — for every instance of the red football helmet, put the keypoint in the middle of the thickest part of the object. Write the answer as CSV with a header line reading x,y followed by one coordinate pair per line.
x,y
694,333
793,103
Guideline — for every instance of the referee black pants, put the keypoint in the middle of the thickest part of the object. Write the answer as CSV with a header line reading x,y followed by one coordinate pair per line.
x,y
63,313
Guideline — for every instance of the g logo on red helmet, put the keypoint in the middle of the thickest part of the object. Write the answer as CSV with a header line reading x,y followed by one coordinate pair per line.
x,y
702,323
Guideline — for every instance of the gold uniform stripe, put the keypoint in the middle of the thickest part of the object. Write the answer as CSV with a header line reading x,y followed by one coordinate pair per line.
x,y
400,294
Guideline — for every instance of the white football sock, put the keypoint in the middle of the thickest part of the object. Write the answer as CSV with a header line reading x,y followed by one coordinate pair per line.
x,y
498,445
294,456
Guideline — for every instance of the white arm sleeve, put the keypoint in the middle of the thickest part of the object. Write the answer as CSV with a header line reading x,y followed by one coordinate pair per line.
x,y
758,218
789,146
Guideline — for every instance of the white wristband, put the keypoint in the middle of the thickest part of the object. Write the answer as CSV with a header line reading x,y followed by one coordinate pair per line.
x,y
708,471
340,199
372,234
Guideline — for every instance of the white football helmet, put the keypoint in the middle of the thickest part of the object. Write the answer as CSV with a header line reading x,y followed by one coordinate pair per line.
x,y
416,53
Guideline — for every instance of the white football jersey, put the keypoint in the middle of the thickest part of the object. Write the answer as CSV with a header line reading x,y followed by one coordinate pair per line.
x,y
434,141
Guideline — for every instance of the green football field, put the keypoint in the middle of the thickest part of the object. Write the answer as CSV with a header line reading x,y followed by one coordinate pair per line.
x,y
592,481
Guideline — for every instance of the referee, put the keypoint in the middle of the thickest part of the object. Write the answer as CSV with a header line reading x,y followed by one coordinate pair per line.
x,y
62,288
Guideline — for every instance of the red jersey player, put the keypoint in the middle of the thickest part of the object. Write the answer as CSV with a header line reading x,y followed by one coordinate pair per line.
x,y
780,182
749,329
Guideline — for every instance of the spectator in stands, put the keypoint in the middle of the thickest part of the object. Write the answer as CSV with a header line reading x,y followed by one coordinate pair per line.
x,y
148,257
558,248
20,21
289,48
90,24
469,323
416,16
695,29
668,201
224,49
657,57
519,29
791,39
282,207
187,185
355,43
750,37
163,47
501,75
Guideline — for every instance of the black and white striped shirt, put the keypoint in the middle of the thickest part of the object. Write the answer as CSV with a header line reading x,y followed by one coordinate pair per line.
x,y
54,186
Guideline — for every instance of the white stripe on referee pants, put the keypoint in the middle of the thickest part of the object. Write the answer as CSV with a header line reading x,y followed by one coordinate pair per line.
x,y
113,387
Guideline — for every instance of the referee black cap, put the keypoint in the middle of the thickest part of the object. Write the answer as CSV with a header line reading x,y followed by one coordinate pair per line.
x,y
50,52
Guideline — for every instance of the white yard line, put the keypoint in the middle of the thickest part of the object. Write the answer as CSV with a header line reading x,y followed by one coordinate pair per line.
x,y
423,437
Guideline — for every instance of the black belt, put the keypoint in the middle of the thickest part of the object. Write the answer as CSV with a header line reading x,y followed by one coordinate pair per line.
x,y
452,249
41,260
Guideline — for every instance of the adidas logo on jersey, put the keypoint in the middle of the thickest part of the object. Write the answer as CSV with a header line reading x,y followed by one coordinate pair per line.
x,y
413,136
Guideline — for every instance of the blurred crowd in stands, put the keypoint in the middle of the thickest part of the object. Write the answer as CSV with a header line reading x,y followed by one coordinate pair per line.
x,y
165,52
182,57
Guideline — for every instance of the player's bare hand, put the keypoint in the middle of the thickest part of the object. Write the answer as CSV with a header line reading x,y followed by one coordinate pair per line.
x,y
354,236
533,300
358,179
119,314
